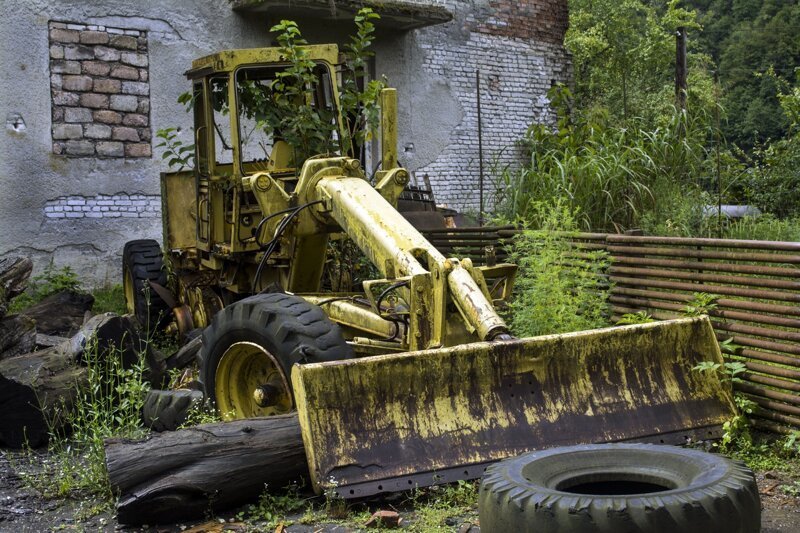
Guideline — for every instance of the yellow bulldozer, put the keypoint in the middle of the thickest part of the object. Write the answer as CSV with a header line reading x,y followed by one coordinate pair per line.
x,y
416,378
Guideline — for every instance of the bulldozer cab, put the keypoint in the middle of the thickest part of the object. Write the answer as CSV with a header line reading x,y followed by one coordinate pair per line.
x,y
239,119
237,113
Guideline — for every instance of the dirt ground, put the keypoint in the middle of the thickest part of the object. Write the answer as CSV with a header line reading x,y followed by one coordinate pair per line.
x,y
22,509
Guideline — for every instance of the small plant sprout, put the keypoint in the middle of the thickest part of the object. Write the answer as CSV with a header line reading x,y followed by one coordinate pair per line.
x,y
640,317
700,304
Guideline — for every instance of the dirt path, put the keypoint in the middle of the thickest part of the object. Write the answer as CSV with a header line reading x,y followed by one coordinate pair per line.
x,y
23,510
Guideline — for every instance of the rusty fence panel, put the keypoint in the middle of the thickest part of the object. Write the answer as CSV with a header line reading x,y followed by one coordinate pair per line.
x,y
758,304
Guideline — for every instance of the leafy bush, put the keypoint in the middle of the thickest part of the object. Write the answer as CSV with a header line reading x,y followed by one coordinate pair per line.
x,y
51,281
558,288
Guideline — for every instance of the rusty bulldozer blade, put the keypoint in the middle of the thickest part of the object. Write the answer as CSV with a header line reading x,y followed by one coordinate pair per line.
x,y
393,422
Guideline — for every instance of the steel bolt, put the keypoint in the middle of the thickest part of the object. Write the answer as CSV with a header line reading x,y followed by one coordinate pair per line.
x,y
266,395
263,182
401,177
353,164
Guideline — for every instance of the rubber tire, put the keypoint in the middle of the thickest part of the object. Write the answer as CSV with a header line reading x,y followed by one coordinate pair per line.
x,y
166,410
287,326
146,263
712,493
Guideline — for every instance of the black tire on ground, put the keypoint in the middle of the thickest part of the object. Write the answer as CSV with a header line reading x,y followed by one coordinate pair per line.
x,y
166,410
288,327
142,261
619,488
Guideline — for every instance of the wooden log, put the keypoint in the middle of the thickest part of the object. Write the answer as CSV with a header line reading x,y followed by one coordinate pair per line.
x,y
14,274
17,335
62,313
36,390
181,475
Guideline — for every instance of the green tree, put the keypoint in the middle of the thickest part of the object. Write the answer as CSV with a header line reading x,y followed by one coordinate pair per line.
x,y
623,56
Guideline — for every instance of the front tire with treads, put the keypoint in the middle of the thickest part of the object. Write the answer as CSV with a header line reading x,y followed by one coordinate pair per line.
x,y
619,488
250,347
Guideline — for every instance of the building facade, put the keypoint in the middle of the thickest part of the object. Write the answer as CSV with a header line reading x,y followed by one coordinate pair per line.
x,y
85,86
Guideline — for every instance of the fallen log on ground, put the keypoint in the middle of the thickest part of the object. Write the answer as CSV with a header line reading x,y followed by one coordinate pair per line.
x,y
17,335
14,273
183,474
61,313
38,390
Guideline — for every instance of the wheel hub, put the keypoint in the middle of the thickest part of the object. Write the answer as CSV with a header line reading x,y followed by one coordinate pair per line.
x,y
249,383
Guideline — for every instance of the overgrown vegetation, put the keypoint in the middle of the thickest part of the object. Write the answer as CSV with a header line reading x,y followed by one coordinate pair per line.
x,y
622,154
287,109
51,281
558,288
108,405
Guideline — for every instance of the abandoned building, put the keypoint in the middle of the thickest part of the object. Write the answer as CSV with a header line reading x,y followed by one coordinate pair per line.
x,y
86,85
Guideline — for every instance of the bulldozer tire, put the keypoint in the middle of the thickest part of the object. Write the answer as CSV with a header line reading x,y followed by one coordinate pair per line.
x,y
619,488
143,262
250,347
166,410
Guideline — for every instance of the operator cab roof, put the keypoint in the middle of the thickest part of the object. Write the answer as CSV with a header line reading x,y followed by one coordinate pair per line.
x,y
230,60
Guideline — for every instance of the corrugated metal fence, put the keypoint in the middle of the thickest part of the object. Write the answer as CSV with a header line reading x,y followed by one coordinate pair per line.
x,y
758,304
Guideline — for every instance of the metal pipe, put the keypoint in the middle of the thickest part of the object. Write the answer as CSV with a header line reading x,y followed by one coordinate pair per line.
x,y
771,381
771,394
772,426
351,314
717,312
721,302
480,145
777,334
773,370
694,276
683,252
693,241
713,289
767,356
718,267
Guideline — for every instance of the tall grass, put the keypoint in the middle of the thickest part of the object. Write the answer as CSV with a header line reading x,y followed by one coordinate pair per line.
x,y
611,174
108,405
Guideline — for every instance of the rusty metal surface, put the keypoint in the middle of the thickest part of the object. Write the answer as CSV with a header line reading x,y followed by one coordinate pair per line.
x,y
687,252
693,241
706,265
750,281
713,289
395,416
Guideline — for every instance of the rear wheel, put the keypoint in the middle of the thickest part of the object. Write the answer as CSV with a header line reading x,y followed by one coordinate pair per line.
x,y
250,347
142,262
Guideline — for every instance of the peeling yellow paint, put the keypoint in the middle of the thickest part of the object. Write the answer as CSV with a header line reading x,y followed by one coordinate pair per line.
x,y
436,409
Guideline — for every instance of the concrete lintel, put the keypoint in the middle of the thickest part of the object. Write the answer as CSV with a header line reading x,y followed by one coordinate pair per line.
x,y
396,14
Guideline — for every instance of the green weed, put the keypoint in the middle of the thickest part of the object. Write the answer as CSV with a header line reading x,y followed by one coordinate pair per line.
x,y
558,288
109,405
640,317
700,304
51,281
273,507
109,299
441,507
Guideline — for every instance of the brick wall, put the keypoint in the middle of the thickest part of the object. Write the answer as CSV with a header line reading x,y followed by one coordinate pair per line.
x,y
543,21
119,205
518,48
100,91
